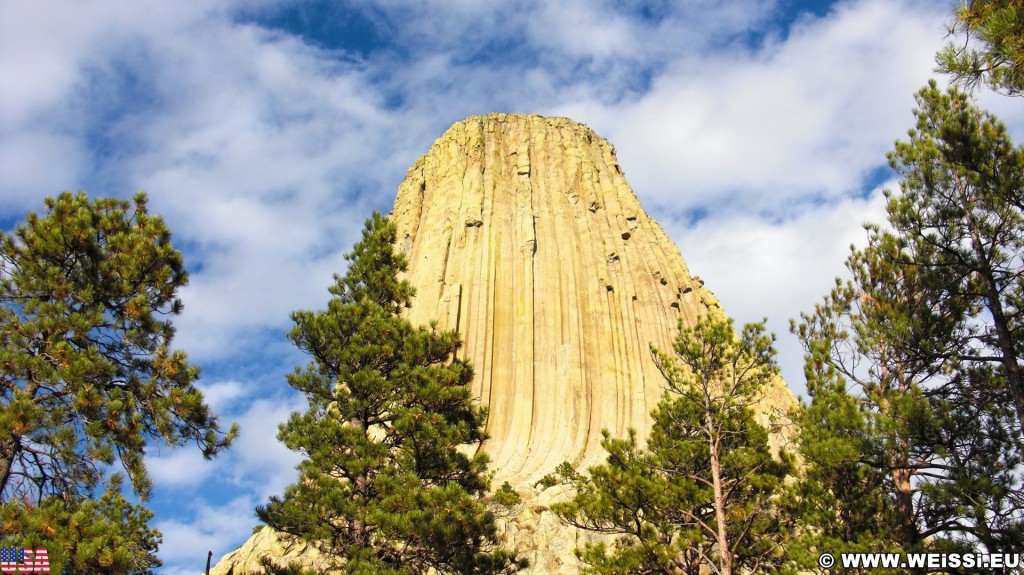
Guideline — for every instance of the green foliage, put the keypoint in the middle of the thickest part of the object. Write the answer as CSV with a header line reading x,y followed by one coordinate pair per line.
x,y
108,535
271,568
992,48
88,378
911,441
959,220
706,492
386,487
87,374
506,496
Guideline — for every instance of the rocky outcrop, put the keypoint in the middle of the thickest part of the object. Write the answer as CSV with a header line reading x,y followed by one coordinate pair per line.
x,y
523,235
264,543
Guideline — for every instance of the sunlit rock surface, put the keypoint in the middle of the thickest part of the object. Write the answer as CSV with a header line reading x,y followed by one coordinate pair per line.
x,y
523,235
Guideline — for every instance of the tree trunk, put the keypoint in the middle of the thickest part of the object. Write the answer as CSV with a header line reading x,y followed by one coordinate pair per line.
x,y
8,450
905,506
1004,339
724,549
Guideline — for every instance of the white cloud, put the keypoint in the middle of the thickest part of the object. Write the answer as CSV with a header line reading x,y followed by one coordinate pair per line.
x,y
223,395
612,31
56,64
256,461
181,467
212,528
28,171
260,462
38,75
582,28
759,268
803,117
256,467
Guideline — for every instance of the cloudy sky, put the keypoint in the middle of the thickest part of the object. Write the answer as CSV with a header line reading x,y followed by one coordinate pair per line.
x,y
266,131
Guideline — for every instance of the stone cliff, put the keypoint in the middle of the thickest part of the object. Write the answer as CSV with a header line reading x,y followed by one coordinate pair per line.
x,y
523,235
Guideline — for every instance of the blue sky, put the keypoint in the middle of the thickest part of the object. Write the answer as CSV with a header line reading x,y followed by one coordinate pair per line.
x,y
266,131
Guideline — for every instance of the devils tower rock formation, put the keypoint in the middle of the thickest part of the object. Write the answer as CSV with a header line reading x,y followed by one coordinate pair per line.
x,y
523,235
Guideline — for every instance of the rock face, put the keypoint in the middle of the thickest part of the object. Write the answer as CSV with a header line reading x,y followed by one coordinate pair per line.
x,y
523,235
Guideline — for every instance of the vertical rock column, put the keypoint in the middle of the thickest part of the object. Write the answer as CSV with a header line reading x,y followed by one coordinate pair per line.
x,y
523,235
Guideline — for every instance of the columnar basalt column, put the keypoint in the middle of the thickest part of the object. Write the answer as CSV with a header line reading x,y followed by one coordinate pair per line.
x,y
523,235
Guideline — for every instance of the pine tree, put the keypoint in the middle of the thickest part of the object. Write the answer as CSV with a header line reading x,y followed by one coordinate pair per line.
x,y
88,377
991,49
388,485
903,449
862,447
960,212
106,535
911,441
706,492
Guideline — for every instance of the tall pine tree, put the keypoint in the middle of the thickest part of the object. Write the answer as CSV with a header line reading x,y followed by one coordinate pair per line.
x,y
705,495
388,485
87,372
88,378
912,441
960,214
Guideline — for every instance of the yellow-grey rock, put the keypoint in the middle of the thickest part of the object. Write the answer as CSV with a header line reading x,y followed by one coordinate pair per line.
x,y
265,543
523,235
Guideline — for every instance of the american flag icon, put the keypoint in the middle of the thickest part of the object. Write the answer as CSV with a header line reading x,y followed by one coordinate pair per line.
x,y
24,560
